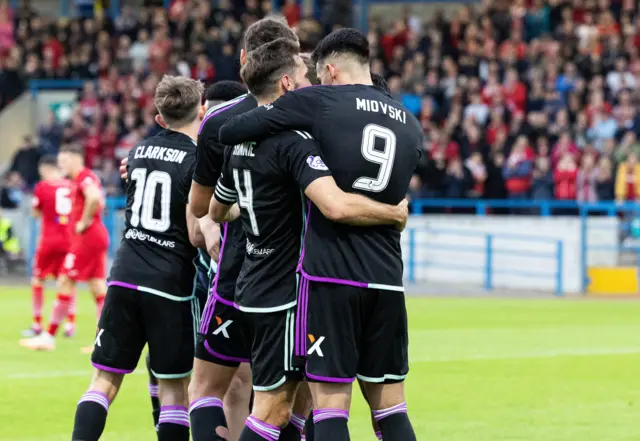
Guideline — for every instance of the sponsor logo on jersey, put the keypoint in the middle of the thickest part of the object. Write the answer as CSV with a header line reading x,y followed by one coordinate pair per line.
x,y
134,234
316,163
268,106
252,250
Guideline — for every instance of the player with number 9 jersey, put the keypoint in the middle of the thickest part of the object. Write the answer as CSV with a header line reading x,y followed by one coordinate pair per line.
x,y
52,200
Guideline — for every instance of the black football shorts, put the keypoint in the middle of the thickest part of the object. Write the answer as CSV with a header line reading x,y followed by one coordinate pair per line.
x,y
347,332
225,335
130,319
272,349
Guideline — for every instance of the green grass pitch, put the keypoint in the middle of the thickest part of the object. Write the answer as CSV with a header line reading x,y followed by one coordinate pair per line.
x,y
481,370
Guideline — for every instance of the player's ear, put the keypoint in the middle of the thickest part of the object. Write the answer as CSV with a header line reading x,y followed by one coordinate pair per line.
x,y
160,120
333,71
201,112
243,57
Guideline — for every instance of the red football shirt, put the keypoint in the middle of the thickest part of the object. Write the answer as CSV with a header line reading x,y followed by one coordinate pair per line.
x,y
96,234
53,200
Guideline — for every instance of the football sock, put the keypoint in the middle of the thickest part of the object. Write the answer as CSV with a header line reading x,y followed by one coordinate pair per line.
x,y
309,428
379,436
207,417
153,393
331,425
37,300
256,430
293,430
60,309
71,315
99,305
155,404
91,417
173,424
394,423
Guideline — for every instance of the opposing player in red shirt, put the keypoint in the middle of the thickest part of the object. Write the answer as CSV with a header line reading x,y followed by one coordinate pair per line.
x,y
87,255
52,204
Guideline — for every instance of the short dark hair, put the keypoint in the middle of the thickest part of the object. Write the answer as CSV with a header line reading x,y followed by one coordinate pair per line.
x,y
178,99
312,74
344,41
266,65
379,81
225,91
72,147
265,31
49,160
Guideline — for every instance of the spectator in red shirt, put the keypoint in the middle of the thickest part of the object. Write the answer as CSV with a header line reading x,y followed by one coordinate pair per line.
x,y
291,11
564,146
565,176
52,50
515,92
203,70
587,179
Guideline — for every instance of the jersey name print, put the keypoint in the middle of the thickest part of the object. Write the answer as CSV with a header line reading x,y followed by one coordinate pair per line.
x,y
268,180
156,255
210,157
371,143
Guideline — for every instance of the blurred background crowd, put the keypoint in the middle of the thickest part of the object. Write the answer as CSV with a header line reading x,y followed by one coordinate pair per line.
x,y
520,99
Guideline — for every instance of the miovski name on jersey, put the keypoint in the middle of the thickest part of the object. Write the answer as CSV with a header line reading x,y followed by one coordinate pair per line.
x,y
161,153
380,107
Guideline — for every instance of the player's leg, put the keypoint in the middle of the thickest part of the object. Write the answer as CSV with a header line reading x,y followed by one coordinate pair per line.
x,y
92,409
223,344
237,401
274,383
153,392
374,423
98,288
332,335
173,423
301,408
117,348
70,326
37,301
170,328
386,332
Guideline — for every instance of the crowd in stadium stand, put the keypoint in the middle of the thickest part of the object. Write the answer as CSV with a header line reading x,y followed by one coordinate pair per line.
x,y
520,99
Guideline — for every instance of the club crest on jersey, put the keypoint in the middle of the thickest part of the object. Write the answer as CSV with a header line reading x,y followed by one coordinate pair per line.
x,y
315,162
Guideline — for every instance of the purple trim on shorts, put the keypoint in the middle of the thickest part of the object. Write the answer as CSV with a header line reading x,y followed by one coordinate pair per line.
x,y
301,319
304,237
122,285
207,314
332,280
322,379
110,369
225,301
224,357
221,109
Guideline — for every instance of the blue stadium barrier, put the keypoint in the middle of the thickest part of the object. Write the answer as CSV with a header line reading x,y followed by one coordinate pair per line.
x,y
490,251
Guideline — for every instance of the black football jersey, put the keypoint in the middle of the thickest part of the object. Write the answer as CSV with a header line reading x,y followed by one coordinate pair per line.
x,y
210,158
372,144
268,183
155,254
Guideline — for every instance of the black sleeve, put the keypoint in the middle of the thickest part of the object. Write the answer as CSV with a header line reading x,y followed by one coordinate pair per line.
x,y
225,192
293,110
302,160
185,181
209,156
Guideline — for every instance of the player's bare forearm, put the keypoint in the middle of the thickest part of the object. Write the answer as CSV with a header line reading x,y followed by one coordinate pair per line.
x,y
196,237
199,199
362,211
211,236
353,209
218,211
92,199
36,213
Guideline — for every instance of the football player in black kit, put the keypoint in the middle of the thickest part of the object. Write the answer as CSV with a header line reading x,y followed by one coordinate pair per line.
x,y
206,261
150,299
225,336
352,314
267,179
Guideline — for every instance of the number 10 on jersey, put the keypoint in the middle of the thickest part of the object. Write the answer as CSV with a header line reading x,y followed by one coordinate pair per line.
x,y
144,200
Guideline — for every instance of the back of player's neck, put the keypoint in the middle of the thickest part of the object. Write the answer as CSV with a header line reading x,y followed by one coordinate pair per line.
x,y
267,99
191,131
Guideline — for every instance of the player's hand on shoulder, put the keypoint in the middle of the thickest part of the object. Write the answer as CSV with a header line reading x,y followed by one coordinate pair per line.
x,y
81,227
403,214
123,168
